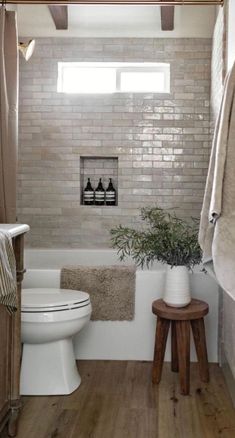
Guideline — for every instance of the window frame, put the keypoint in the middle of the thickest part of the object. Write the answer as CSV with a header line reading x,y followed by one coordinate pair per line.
x,y
120,67
160,68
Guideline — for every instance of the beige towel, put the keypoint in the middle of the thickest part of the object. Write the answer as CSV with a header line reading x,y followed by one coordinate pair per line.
x,y
8,285
111,289
217,227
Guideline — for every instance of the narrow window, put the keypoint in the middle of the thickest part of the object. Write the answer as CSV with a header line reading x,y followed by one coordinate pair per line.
x,y
103,77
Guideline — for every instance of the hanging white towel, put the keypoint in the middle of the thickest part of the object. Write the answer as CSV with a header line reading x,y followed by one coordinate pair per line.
x,y
217,227
8,284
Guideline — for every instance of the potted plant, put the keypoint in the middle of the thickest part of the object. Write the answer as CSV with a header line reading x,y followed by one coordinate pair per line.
x,y
165,238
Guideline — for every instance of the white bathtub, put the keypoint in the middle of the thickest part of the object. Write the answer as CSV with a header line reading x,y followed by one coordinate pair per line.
x,y
124,340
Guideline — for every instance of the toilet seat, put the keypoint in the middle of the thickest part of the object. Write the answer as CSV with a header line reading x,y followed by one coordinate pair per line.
x,y
39,300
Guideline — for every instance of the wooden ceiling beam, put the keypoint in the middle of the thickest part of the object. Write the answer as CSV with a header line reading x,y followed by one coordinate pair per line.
x,y
167,17
60,16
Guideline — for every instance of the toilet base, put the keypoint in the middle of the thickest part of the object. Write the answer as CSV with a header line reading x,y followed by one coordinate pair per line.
x,y
49,369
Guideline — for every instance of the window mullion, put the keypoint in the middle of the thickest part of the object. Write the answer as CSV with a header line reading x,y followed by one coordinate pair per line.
x,y
118,79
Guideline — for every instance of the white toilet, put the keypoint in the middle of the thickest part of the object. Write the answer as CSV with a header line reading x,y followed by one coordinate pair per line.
x,y
49,320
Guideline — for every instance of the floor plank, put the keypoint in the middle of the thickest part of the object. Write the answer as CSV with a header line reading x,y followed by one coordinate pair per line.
x,y
118,400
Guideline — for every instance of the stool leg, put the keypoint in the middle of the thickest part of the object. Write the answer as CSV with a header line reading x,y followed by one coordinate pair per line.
x,y
198,329
183,346
174,352
160,346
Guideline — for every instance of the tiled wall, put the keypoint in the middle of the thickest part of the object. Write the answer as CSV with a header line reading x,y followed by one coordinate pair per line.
x,y
162,141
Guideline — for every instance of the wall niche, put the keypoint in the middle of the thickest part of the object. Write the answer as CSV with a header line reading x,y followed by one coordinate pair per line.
x,y
96,168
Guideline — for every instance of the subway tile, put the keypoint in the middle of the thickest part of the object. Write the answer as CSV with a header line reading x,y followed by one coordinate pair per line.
x,y
162,142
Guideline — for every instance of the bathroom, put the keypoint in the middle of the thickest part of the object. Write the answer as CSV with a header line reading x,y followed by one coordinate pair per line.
x,y
155,145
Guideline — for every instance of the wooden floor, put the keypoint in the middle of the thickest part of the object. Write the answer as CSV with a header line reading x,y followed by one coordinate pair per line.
x,y
118,400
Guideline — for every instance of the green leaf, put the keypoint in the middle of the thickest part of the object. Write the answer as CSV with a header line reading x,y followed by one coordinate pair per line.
x,y
166,238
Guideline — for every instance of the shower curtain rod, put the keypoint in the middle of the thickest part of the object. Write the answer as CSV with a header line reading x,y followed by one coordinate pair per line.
x,y
119,2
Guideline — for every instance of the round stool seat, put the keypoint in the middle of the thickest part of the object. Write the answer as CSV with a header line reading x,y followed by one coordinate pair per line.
x,y
195,310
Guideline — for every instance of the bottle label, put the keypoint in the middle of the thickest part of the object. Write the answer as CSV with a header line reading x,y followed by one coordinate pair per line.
x,y
110,195
88,196
99,197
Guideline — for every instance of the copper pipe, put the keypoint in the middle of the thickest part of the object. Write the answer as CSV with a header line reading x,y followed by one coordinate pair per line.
x,y
119,2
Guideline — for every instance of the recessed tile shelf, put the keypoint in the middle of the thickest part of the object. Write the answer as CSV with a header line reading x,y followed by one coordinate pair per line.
x,y
95,168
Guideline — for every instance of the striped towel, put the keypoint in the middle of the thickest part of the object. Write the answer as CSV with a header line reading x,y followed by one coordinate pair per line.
x,y
8,285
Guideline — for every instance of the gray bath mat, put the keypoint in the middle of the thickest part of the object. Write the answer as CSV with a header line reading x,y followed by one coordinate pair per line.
x,y
111,289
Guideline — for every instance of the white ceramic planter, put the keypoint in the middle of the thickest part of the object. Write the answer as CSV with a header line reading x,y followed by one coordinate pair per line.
x,y
177,289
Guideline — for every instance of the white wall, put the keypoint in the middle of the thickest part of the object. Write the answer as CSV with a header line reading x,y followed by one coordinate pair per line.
x,y
231,33
117,21
125,340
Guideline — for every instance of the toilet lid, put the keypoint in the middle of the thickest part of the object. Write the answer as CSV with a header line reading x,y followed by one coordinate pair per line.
x,y
49,300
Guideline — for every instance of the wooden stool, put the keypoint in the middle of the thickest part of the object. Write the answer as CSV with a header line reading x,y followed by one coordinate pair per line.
x,y
180,319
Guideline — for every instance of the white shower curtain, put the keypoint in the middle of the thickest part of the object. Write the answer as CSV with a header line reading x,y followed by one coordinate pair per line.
x,y
8,114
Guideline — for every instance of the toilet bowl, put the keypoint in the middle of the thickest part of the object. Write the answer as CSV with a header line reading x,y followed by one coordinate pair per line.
x,y
49,320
